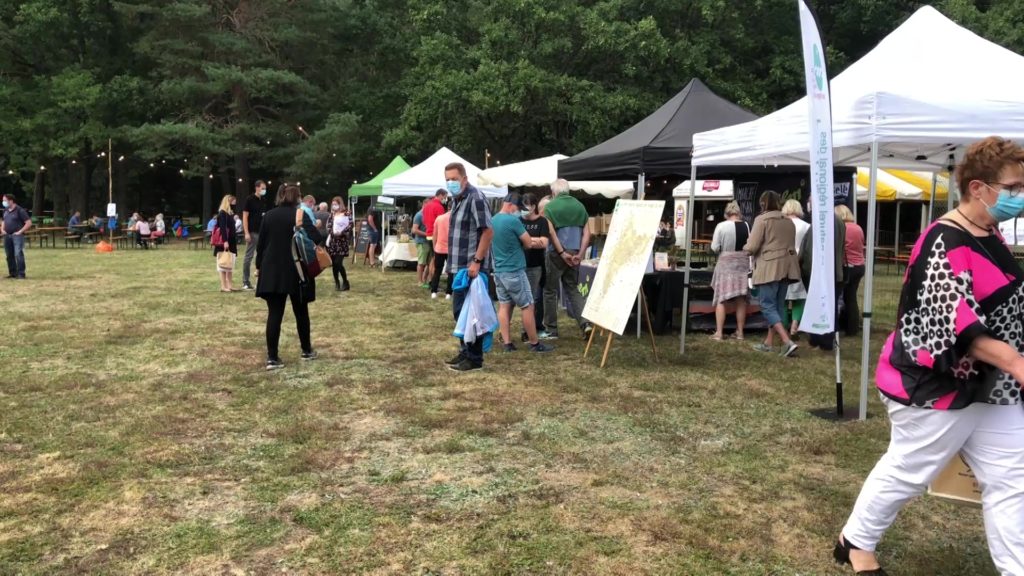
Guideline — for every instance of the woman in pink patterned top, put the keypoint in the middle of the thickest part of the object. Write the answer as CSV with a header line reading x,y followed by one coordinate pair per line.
x,y
950,374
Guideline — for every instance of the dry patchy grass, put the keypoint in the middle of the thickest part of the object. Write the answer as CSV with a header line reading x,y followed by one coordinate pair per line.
x,y
139,434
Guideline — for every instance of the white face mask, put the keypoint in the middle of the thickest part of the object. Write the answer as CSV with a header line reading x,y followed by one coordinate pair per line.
x,y
335,207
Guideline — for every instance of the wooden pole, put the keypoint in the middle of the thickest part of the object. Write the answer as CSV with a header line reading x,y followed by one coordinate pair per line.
x,y
607,347
110,184
589,342
650,327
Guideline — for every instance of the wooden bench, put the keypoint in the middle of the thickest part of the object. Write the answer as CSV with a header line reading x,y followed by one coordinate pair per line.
x,y
72,240
198,241
43,237
120,241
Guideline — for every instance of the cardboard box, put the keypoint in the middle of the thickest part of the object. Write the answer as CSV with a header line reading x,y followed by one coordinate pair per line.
x,y
606,222
594,226
957,483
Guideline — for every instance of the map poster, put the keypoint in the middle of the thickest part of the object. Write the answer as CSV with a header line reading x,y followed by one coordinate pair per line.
x,y
625,258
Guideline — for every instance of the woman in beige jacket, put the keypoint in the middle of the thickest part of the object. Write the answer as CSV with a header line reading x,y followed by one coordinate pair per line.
x,y
772,244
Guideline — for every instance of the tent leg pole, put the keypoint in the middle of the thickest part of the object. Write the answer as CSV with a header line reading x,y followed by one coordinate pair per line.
x,y
865,355
641,183
689,255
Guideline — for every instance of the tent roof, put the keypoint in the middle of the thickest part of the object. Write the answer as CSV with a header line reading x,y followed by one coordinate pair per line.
x,y
892,185
544,171
891,96
539,172
373,186
425,178
659,144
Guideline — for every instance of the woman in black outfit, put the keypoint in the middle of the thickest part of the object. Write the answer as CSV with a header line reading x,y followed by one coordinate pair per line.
x,y
226,223
279,279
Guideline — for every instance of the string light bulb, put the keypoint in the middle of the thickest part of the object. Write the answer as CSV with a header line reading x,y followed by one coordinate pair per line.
x,y
151,165
239,179
10,172
211,176
298,183
163,161
42,168
74,161
121,159
182,171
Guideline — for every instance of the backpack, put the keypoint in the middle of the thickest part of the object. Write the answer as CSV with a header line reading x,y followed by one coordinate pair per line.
x,y
305,255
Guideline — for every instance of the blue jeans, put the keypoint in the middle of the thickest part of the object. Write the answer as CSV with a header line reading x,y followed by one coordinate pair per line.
x,y
14,247
473,352
772,296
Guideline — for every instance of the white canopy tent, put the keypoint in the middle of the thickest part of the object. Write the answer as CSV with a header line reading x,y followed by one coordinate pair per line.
x,y
544,171
888,112
425,178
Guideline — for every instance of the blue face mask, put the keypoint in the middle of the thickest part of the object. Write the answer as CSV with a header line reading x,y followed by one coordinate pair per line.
x,y
1007,207
454,187
6,205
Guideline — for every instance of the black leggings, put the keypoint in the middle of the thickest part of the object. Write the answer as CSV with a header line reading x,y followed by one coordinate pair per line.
x,y
338,268
275,313
439,261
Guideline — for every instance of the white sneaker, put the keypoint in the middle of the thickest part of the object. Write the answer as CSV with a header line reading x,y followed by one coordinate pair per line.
x,y
433,295
447,296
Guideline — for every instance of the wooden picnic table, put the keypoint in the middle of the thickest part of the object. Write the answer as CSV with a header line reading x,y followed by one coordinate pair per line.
x,y
51,231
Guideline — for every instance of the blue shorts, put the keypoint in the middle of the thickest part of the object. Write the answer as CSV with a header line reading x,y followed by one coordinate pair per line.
x,y
513,287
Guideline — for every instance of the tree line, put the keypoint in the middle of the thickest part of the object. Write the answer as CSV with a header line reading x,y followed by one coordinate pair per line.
x,y
201,97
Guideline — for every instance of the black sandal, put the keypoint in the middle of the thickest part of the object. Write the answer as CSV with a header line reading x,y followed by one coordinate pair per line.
x,y
841,554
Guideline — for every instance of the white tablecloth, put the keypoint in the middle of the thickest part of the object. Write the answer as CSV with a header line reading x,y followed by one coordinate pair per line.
x,y
394,250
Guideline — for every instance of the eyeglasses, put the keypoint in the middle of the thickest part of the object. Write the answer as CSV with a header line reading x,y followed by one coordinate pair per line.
x,y
1013,189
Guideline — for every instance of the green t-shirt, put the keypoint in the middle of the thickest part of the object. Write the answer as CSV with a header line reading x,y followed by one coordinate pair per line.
x,y
506,247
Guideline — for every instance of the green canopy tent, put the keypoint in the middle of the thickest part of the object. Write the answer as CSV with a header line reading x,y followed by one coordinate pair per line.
x,y
373,187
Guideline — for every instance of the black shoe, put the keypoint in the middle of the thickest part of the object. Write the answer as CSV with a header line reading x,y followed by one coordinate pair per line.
x,y
465,366
274,365
345,287
508,348
456,359
541,347
311,355
524,337
841,554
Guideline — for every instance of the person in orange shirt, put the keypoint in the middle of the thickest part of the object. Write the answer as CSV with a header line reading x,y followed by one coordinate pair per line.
x,y
440,255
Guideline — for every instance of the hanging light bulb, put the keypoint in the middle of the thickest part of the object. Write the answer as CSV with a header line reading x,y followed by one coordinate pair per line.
x,y
211,176
298,183
334,155
74,161
151,165
10,172
163,161
121,159
206,157
42,168
268,142
239,179
182,171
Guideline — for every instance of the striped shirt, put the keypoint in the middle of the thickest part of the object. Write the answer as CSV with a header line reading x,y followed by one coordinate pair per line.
x,y
470,216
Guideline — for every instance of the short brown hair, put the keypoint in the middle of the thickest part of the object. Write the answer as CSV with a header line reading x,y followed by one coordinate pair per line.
x,y
288,195
456,166
985,159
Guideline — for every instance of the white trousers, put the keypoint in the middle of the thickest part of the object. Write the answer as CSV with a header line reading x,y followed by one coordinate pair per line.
x,y
923,441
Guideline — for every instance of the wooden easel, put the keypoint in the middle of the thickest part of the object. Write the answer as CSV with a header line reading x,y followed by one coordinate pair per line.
x,y
611,335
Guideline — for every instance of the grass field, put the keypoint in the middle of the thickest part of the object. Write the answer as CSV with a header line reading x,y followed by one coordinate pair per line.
x,y
139,434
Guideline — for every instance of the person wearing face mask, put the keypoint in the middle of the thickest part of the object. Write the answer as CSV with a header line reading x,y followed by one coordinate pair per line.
x,y
339,228
950,374
252,218
15,223
226,224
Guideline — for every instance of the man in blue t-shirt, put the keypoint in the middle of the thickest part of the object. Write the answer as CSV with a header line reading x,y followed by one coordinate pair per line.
x,y
510,280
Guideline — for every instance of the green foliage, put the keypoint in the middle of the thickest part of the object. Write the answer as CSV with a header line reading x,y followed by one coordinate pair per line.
x,y
233,80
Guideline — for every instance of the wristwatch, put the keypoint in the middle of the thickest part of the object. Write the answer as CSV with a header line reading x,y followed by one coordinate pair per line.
x,y
477,260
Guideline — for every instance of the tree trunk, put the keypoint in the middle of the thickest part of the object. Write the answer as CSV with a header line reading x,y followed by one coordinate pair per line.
x,y
226,187
78,187
241,179
207,199
121,191
59,192
38,194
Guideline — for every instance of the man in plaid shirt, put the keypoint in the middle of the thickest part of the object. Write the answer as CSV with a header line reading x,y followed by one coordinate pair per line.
x,y
469,247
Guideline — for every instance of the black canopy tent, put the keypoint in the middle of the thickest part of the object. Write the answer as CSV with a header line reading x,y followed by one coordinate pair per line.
x,y
660,144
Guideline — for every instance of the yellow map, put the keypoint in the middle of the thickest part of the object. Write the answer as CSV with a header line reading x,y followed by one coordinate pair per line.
x,y
623,263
